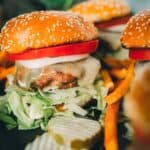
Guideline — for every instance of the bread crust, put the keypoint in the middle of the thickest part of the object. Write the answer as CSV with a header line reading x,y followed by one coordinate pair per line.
x,y
137,31
43,29
101,10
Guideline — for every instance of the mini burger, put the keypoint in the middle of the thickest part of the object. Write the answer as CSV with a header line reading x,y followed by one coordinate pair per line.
x,y
136,37
47,47
54,70
109,16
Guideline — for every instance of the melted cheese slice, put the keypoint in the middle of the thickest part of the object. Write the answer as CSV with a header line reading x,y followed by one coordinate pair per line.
x,y
74,132
85,70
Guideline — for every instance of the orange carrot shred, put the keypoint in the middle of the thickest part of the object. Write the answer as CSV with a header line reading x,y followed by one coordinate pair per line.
x,y
119,73
110,133
115,63
122,87
6,71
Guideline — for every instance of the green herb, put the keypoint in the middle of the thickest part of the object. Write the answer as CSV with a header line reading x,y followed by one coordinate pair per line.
x,y
57,4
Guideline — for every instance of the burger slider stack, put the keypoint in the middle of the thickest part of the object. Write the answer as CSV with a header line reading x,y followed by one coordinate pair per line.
x,y
109,16
55,76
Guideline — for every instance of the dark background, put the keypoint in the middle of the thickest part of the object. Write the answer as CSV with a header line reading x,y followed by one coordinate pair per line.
x,y
11,8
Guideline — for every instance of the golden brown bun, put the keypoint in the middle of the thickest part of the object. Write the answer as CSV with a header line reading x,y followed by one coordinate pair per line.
x,y
45,28
101,10
137,31
137,101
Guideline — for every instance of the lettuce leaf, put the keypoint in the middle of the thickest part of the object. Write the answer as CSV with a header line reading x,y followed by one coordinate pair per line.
x,y
101,93
33,109
76,95
25,109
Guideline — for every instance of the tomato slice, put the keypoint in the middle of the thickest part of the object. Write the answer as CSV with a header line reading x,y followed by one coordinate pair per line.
x,y
113,22
140,54
63,50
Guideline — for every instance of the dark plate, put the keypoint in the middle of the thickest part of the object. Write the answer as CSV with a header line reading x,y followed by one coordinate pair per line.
x,y
17,140
14,139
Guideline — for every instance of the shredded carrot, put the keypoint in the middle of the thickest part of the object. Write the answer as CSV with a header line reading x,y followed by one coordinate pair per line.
x,y
115,63
122,88
119,73
126,63
107,80
117,83
111,139
60,107
6,71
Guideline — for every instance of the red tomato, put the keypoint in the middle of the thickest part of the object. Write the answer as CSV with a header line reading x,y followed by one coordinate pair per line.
x,y
140,54
55,51
113,22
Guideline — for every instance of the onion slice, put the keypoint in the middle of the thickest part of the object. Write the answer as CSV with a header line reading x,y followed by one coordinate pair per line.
x,y
41,62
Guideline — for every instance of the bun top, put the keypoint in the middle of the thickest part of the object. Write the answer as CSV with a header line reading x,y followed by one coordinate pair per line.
x,y
137,31
101,10
43,29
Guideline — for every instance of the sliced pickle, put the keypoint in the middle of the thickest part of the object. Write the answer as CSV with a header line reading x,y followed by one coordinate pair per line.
x,y
45,142
73,132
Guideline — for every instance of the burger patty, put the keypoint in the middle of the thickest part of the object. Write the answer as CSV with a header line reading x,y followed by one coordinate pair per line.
x,y
61,75
54,78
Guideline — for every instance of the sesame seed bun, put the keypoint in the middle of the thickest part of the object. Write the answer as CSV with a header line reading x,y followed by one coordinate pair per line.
x,y
101,10
43,29
137,31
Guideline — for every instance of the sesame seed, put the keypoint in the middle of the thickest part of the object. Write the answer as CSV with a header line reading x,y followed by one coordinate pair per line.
x,y
130,33
27,36
118,8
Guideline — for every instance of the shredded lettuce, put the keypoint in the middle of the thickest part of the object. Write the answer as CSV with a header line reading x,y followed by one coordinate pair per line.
x,y
24,109
33,109
28,107
101,93
5,114
76,95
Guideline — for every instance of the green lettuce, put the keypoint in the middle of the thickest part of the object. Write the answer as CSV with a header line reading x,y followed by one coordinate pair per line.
x,y
25,109
5,113
33,109
101,93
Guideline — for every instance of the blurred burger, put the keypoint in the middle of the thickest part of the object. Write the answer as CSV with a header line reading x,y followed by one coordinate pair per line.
x,y
136,37
109,16
54,69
